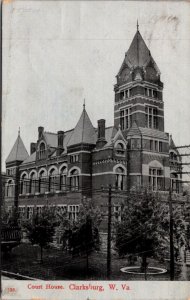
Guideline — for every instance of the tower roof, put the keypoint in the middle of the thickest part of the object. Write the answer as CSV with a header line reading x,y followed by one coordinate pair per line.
x,y
18,152
84,131
138,53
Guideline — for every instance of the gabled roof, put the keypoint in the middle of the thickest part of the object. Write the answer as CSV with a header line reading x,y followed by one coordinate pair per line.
x,y
134,130
18,152
84,132
110,132
51,139
171,143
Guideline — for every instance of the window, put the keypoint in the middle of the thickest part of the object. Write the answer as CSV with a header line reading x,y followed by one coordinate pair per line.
x,y
151,145
74,180
125,118
52,180
119,181
73,211
74,158
9,191
61,209
156,179
122,123
174,183
42,151
63,179
42,182
21,211
117,213
24,184
33,183
151,119
30,210
120,150
122,95
39,209
156,146
154,94
160,146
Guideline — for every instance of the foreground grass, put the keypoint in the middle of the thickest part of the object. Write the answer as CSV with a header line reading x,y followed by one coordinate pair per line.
x,y
59,265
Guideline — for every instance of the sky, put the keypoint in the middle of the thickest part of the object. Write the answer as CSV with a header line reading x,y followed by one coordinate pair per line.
x,y
57,53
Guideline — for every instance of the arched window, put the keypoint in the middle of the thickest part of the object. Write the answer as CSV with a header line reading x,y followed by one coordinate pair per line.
x,y
9,191
42,151
42,182
33,183
74,180
63,178
24,184
52,180
119,181
120,150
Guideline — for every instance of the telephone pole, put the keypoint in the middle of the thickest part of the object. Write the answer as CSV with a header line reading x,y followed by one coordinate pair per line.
x,y
172,263
109,233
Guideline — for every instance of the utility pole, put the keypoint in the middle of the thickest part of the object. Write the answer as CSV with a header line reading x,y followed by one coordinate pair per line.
x,y
109,233
172,263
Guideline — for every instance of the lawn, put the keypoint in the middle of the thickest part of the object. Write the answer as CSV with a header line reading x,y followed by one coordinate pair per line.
x,y
59,265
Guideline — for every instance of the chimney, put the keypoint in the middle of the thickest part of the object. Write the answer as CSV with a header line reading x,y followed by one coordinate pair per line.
x,y
40,131
32,148
60,138
101,133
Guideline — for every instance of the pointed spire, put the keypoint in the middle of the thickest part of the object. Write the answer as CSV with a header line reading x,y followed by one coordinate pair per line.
x,y
84,104
19,131
137,25
18,151
84,131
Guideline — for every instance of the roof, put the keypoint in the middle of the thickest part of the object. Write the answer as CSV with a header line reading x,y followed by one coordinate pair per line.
x,y
110,132
84,131
138,53
18,152
51,138
153,133
134,130
30,159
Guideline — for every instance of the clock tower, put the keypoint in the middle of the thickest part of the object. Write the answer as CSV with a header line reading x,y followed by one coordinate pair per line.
x,y
138,91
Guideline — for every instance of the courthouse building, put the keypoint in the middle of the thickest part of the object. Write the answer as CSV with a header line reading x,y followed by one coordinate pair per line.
x,y
65,167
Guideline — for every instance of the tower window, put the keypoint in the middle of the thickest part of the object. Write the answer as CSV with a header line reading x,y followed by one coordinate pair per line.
x,y
160,146
122,120
125,118
151,145
151,118
122,94
156,146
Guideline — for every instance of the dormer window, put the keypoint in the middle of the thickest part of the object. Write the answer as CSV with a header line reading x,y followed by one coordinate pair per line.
x,y
120,150
42,151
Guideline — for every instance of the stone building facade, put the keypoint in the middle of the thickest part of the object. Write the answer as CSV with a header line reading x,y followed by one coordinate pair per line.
x,y
65,167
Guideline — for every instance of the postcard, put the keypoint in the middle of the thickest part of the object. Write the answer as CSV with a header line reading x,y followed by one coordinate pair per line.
x,y
95,150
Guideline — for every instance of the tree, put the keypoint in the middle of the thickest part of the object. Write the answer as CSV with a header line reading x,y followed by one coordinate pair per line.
x,y
82,235
41,227
139,232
